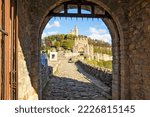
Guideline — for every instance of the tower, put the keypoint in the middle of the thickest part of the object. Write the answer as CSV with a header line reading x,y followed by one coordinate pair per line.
x,y
74,31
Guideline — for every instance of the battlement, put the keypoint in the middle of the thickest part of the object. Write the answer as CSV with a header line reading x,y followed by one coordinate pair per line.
x,y
81,38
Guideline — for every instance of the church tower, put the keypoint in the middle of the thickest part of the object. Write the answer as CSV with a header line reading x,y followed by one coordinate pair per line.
x,y
74,31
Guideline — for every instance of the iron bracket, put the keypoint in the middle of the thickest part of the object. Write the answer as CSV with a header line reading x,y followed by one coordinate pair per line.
x,y
4,32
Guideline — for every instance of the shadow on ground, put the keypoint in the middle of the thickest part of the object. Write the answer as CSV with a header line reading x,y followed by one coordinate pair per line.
x,y
59,88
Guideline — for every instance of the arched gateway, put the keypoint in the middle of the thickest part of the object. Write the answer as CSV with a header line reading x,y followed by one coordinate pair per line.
x,y
130,44
114,25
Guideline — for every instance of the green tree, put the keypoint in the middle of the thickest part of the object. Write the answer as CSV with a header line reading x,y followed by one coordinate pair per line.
x,y
57,44
68,44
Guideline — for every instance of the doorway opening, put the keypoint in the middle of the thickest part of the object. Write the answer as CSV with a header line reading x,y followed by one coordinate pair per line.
x,y
90,12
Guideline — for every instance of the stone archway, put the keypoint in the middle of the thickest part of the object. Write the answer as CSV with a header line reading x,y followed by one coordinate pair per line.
x,y
117,35
128,81
81,50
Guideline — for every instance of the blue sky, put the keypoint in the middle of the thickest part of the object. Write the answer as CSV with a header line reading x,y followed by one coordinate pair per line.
x,y
94,28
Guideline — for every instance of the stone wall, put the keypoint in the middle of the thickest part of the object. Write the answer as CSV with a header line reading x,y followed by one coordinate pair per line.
x,y
53,66
28,72
139,49
102,74
32,18
25,88
70,54
129,27
100,56
45,73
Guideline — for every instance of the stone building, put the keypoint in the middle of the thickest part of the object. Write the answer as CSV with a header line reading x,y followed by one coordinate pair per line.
x,y
24,21
82,46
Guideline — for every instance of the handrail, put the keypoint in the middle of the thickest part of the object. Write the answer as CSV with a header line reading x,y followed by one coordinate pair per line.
x,y
4,32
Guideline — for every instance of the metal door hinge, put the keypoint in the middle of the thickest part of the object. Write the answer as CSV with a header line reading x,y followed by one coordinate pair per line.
x,y
4,32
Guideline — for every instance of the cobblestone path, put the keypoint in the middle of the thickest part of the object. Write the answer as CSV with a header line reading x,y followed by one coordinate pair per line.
x,y
69,83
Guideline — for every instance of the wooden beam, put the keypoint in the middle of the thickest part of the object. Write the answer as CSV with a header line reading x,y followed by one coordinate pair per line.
x,y
92,9
65,8
79,9
78,15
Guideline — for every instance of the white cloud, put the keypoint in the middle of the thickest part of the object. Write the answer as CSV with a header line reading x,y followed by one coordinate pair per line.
x,y
52,32
95,31
100,34
55,24
45,34
48,27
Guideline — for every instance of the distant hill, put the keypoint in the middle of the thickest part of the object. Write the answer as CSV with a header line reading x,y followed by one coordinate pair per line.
x,y
66,41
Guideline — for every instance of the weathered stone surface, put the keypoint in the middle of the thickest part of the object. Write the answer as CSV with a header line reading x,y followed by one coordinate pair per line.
x,y
102,74
130,49
130,35
70,83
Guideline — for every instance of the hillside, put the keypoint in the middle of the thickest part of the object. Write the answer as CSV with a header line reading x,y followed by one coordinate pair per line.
x,y
66,41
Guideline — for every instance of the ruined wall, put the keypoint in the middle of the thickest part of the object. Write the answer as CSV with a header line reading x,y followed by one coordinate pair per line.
x,y
139,49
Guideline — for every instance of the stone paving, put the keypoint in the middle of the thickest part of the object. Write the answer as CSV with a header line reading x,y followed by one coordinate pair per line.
x,y
70,84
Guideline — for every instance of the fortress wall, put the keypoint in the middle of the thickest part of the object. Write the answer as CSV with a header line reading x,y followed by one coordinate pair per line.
x,y
102,74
